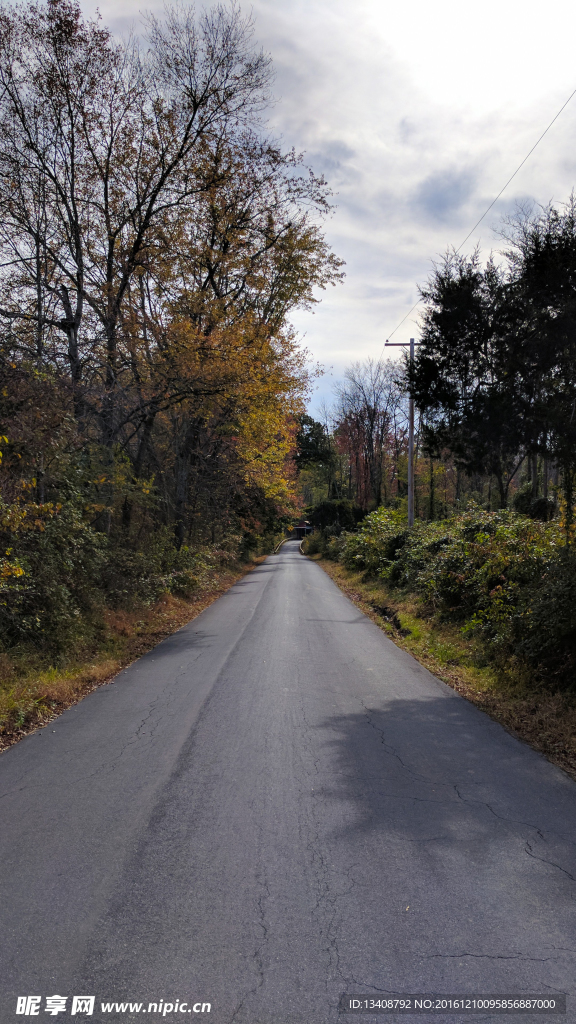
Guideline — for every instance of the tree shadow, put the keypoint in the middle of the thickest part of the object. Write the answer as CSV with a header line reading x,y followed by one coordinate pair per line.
x,y
450,758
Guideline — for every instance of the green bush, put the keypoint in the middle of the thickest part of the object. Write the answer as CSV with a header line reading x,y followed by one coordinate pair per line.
x,y
314,544
374,547
335,516
133,577
536,508
546,627
62,558
58,573
504,577
334,546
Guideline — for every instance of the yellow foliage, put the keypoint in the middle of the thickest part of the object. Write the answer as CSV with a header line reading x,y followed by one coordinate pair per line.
x,y
255,386
8,569
567,521
20,516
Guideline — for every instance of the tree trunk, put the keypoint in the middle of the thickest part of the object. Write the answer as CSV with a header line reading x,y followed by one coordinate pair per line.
x,y
181,473
40,476
534,474
568,488
70,325
502,489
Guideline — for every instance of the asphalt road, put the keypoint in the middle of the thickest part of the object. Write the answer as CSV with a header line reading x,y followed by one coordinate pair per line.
x,y
275,806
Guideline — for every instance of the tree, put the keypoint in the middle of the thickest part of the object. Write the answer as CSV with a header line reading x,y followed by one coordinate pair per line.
x,y
369,401
313,444
467,376
496,373
102,150
542,255
154,241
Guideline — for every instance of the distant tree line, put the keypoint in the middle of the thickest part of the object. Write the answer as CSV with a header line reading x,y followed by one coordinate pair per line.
x,y
358,452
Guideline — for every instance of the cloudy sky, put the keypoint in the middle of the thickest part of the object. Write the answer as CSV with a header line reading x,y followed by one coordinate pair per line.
x,y
417,113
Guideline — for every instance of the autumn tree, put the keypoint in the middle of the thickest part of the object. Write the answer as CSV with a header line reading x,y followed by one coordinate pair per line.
x,y
154,241
101,149
369,405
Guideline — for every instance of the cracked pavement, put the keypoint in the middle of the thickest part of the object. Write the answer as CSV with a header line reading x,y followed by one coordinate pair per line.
x,y
272,807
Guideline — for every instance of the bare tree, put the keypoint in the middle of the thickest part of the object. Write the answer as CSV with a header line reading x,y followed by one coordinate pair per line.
x,y
102,149
369,402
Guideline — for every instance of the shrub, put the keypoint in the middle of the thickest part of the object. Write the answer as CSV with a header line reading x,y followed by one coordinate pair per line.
x,y
61,558
314,544
336,516
374,547
545,629
536,508
504,577
58,573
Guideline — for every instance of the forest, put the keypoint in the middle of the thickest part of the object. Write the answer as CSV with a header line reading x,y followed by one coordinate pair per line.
x,y
154,239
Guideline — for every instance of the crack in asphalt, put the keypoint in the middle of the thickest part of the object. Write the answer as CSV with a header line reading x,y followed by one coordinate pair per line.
x,y
516,821
389,750
487,956
543,860
526,824
110,766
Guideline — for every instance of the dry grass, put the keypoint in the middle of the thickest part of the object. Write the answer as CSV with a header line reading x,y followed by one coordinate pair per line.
x,y
547,721
29,697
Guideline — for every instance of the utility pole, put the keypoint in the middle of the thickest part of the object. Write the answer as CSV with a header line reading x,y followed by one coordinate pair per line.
x,y
402,344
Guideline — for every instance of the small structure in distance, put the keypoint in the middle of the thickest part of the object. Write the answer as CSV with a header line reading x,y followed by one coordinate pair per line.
x,y
302,529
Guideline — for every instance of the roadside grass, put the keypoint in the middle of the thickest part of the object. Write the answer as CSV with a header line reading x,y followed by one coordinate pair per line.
x,y
545,720
34,692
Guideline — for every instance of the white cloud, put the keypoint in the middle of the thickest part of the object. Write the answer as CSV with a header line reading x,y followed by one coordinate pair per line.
x,y
417,113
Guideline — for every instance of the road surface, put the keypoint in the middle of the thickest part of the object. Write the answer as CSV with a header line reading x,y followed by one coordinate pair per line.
x,y
273,807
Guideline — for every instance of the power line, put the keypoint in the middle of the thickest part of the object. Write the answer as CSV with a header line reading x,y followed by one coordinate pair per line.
x,y
417,303
503,189
517,169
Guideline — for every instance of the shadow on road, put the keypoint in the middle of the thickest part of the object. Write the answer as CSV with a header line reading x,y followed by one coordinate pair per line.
x,y
436,779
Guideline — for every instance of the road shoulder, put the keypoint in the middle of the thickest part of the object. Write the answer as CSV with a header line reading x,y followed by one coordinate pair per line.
x,y
30,701
546,721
